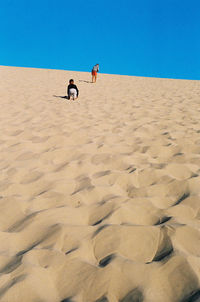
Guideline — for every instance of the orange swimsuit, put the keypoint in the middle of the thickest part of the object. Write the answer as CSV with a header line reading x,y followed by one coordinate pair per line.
x,y
94,73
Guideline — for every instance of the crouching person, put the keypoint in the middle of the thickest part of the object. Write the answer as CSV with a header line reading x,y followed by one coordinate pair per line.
x,y
72,90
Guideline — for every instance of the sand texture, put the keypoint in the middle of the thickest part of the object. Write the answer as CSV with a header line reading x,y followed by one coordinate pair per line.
x,y
100,197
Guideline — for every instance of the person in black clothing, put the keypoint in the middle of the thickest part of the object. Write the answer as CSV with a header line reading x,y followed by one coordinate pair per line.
x,y
72,90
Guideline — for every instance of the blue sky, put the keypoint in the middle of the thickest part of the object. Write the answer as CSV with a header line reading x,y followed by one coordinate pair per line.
x,y
159,38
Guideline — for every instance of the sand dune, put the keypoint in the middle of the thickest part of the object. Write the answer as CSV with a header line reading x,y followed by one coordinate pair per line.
x,y
100,197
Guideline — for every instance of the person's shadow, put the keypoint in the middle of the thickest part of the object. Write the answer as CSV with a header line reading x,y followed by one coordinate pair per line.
x,y
85,81
60,96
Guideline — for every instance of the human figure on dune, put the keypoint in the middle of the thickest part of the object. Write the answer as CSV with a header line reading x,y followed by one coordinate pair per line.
x,y
72,90
95,69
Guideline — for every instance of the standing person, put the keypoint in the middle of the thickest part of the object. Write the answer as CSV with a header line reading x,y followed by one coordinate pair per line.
x,y
95,69
72,90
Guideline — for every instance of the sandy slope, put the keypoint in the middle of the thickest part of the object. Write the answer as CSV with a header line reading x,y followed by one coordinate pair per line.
x,y
99,198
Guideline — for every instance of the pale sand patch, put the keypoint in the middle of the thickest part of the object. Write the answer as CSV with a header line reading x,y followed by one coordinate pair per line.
x,y
100,197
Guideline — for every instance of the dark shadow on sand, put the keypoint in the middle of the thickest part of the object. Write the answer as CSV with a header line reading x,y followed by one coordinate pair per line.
x,y
60,96
85,81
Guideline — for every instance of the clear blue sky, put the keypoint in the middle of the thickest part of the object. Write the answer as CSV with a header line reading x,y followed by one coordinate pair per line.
x,y
158,38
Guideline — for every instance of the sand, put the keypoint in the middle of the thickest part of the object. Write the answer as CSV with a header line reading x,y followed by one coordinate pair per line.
x,y
100,197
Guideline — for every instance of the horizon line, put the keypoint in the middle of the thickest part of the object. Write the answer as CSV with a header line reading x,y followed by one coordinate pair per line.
x,y
129,75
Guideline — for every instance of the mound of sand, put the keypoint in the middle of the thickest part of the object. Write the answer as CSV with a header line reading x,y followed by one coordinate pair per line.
x,y
100,197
